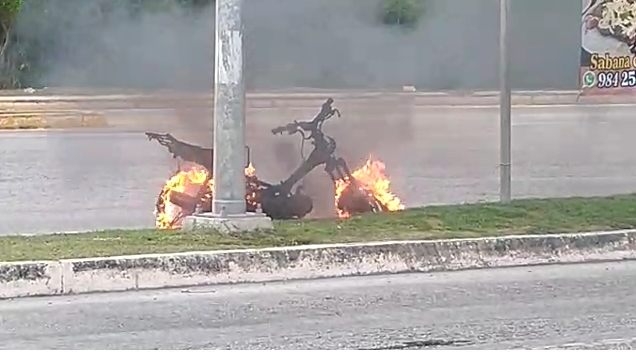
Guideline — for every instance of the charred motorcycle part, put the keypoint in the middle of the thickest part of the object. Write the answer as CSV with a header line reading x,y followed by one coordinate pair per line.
x,y
355,200
190,152
277,201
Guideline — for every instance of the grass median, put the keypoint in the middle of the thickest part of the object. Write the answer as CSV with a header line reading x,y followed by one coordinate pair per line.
x,y
533,216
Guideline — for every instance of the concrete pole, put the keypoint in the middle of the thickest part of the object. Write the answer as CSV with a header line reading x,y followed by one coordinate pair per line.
x,y
505,178
229,111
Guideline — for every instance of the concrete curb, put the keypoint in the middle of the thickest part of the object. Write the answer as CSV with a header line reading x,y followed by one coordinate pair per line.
x,y
291,99
20,279
165,110
18,121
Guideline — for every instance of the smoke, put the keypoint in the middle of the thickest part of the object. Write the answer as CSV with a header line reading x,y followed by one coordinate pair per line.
x,y
309,43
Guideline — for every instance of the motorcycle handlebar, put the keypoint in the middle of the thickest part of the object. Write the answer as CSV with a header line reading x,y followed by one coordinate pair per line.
x,y
327,110
326,106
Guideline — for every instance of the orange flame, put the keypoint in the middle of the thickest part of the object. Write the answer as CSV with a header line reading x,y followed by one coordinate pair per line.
x,y
370,178
168,214
373,181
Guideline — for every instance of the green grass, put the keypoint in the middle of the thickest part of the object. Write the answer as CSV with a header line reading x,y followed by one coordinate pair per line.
x,y
436,222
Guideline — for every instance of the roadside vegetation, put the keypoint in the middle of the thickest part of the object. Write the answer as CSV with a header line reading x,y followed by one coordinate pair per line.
x,y
22,57
533,216
404,13
9,10
24,53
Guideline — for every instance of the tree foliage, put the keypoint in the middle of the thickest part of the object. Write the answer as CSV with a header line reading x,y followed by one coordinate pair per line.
x,y
21,60
401,12
9,9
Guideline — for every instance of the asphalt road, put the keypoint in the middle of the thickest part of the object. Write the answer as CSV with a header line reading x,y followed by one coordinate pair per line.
x,y
569,306
86,180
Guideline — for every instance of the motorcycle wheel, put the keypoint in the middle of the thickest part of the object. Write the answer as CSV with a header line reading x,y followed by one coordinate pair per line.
x,y
356,201
375,205
160,207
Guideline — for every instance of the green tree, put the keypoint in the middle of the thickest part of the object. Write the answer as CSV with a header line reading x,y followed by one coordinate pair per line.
x,y
401,12
22,52
9,9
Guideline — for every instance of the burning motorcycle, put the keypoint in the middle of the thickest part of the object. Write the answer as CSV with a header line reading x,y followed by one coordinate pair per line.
x,y
188,191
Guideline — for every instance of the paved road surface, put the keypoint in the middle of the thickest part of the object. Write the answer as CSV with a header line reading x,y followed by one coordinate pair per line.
x,y
85,180
590,305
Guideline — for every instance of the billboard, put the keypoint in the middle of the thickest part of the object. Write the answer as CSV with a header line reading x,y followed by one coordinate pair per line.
x,y
608,47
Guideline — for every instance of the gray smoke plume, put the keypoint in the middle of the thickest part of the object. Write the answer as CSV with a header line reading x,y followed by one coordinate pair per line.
x,y
309,43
